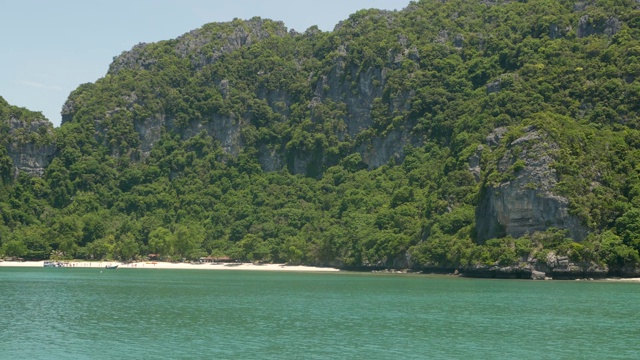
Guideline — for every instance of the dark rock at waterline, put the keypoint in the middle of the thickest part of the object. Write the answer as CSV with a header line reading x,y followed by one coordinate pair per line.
x,y
497,272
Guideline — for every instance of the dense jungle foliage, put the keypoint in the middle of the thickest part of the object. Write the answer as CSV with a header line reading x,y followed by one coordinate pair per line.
x,y
442,74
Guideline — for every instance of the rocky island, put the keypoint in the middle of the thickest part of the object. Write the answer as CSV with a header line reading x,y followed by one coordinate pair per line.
x,y
488,138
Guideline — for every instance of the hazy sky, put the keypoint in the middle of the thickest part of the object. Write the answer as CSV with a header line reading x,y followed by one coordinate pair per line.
x,y
50,47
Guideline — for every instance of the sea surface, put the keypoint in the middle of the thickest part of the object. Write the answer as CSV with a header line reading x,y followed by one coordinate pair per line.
x,y
73,313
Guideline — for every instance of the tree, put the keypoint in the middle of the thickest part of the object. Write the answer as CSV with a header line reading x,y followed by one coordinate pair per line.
x,y
162,241
15,248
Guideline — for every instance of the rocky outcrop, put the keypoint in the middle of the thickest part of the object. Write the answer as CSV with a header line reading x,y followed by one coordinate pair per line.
x,y
31,146
588,26
270,159
501,83
474,163
523,201
552,267
358,100
205,45
497,272
225,129
538,275
562,268
379,150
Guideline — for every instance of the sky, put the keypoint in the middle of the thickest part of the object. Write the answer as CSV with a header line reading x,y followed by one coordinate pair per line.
x,y
49,47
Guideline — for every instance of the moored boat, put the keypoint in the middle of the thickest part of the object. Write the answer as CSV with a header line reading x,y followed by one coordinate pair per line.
x,y
53,264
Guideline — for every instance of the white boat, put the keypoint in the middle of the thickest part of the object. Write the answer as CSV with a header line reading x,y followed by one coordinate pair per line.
x,y
53,264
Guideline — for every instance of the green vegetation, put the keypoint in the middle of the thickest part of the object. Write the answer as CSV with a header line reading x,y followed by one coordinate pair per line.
x,y
441,74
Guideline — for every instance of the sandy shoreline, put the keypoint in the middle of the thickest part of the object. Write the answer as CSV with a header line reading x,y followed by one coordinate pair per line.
x,y
166,265
204,266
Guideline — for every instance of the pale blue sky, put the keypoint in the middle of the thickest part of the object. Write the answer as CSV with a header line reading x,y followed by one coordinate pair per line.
x,y
50,47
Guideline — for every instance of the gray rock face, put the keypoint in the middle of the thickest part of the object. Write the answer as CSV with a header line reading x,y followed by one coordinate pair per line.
x,y
381,149
537,275
556,268
493,139
556,32
474,163
150,131
493,87
224,129
270,159
525,203
562,268
359,100
588,26
202,46
31,147
580,6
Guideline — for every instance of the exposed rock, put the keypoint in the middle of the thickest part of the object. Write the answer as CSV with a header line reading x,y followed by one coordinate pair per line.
x,y
624,272
493,87
474,163
403,41
588,26
369,85
150,131
443,37
525,202
224,129
270,159
380,150
502,82
224,88
31,147
572,271
68,109
536,271
580,6
537,275
556,32
493,139
497,272
205,45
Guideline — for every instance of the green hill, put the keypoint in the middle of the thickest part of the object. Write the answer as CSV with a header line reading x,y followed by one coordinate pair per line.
x,y
494,137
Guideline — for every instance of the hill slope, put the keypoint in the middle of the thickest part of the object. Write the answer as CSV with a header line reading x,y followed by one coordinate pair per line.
x,y
463,134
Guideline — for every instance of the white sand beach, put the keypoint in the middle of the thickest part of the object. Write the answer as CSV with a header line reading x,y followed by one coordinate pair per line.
x,y
624,279
167,265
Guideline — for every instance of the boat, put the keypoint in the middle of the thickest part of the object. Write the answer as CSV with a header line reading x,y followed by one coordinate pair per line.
x,y
53,264
111,266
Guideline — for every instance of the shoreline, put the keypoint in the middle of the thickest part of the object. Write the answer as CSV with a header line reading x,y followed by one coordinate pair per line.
x,y
224,266
174,266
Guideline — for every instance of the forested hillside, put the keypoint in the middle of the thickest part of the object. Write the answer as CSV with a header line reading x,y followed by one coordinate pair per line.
x,y
464,134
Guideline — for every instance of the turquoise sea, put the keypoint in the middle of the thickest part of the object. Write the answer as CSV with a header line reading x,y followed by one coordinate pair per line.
x,y
73,313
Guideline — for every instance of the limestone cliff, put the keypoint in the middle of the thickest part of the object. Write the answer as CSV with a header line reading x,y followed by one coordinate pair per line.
x,y
522,200
28,139
344,85
205,45
31,147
